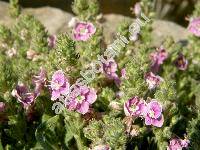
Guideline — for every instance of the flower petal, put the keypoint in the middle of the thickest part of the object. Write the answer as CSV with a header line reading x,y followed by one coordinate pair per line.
x,y
148,120
84,108
91,96
158,122
55,94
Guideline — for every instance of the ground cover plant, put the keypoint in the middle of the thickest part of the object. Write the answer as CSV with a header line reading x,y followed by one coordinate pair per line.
x,y
76,91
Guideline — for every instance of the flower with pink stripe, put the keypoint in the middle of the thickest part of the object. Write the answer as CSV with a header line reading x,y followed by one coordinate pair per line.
x,y
83,31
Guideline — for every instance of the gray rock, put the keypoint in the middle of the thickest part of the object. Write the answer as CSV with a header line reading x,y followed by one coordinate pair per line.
x,y
52,18
110,24
5,19
162,29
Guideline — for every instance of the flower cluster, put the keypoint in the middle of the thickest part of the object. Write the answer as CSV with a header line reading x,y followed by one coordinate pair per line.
x,y
27,97
194,26
151,112
135,107
83,31
153,80
130,97
59,85
158,58
110,70
22,94
40,81
79,99
178,144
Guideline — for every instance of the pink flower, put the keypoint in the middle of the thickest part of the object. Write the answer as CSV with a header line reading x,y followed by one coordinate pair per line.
x,y
153,80
137,9
134,107
52,41
153,114
158,58
59,85
110,69
194,26
185,143
81,98
101,147
83,31
178,144
123,73
2,106
40,80
174,145
181,62
23,96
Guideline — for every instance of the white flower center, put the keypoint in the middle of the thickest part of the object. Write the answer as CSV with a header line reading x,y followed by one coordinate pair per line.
x,y
83,30
151,114
56,85
134,108
80,98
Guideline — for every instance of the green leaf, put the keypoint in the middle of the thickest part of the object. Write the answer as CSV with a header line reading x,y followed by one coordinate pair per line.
x,y
42,130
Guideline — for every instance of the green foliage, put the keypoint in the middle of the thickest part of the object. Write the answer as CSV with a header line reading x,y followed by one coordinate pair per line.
x,y
30,34
5,34
93,131
148,11
66,47
86,9
27,34
45,134
196,11
107,131
18,126
37,127
8,76
166,91
123,30
14,8
105,97
193,131
64,56
74,126
136,69
88,51
161,138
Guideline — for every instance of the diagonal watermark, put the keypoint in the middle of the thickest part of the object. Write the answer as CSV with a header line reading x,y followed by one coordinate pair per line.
x,y
97,66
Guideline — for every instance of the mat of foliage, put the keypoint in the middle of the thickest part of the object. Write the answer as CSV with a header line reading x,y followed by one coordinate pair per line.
x,y
145,98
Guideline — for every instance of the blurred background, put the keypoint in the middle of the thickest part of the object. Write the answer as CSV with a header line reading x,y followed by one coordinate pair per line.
x,y
173,10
